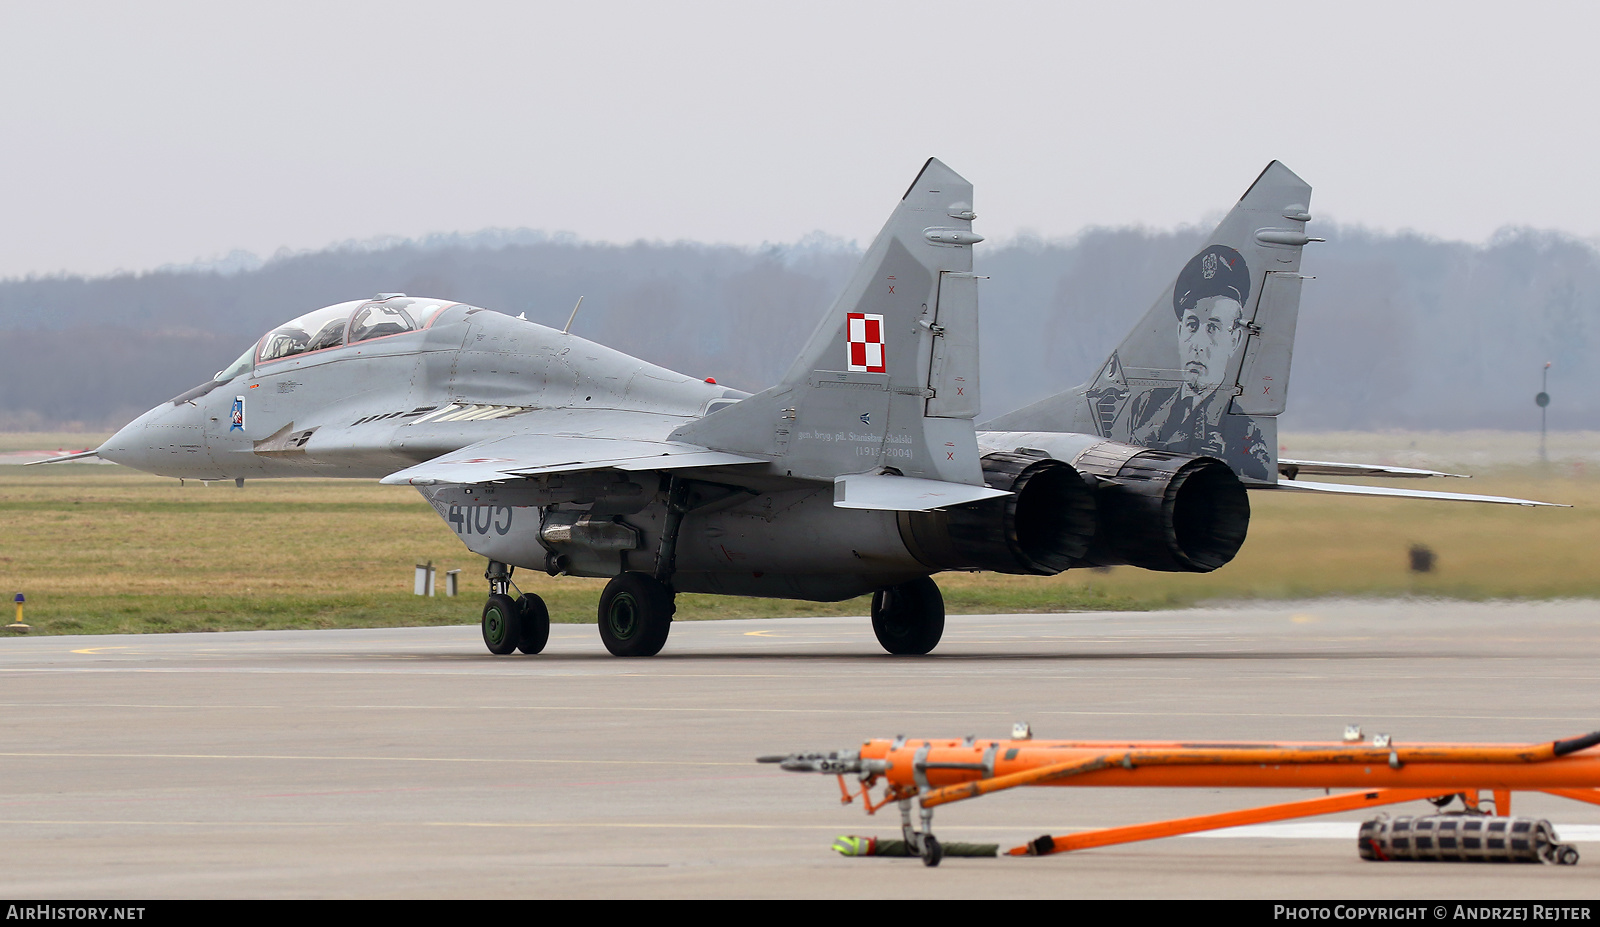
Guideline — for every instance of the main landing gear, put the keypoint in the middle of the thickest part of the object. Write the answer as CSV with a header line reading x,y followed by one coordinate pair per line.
x,y
909,618
511,624
635,615
636,608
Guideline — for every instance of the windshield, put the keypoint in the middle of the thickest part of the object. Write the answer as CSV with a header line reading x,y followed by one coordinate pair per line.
x,y
245,362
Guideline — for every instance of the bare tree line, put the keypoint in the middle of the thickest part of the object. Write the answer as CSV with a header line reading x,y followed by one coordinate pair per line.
x,y
1397,331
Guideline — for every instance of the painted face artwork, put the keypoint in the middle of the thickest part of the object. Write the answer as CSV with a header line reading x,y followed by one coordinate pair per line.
x,y
1210,300
1209,333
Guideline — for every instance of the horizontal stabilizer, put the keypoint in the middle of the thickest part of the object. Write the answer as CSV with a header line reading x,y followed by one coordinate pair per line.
x,y
517,456
63,459
1346,489
888,493
1292,469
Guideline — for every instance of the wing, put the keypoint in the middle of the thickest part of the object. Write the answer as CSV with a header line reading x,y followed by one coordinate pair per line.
x,y
517,456
1346,489
1293,469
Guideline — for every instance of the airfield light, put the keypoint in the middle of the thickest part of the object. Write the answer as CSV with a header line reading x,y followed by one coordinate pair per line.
x,y
19,627
1543,402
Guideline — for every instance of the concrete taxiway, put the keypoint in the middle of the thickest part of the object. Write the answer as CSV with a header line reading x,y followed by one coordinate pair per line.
x,y
412,763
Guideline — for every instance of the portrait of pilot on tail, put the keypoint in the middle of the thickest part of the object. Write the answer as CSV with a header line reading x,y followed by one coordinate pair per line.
x,y
1209,301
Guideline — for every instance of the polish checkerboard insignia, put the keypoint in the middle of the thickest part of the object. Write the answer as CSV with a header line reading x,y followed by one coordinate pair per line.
x,y
866,342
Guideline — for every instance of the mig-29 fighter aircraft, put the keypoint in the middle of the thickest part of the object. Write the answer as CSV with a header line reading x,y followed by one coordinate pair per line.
x,y
862,471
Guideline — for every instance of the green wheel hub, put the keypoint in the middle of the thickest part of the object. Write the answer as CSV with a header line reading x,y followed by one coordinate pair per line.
x,y
623,616
502,624
494,625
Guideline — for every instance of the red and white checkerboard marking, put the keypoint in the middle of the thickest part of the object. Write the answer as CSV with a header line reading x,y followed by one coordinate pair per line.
x,y
866,342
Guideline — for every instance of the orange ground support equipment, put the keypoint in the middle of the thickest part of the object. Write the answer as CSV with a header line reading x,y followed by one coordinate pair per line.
x,y
938,772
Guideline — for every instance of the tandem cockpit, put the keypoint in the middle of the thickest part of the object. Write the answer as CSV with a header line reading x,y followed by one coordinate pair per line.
x,y
336,326
257,414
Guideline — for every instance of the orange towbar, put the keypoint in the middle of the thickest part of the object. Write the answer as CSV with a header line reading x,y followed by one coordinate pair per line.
x,y
939,772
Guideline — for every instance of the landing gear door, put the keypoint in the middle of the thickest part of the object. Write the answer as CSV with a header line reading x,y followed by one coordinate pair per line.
x,y
1264,373
953,372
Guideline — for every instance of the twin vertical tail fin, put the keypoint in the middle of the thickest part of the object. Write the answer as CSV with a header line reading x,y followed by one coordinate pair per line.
x,y
888,383
1206,371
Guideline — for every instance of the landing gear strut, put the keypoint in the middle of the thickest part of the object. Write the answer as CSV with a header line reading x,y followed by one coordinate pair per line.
x,y
909,618
636,608
511,624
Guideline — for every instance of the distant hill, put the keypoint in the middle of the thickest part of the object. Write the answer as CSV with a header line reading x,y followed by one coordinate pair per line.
x,y
1397,331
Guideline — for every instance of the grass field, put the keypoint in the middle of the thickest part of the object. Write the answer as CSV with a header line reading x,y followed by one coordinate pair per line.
x,y
103,549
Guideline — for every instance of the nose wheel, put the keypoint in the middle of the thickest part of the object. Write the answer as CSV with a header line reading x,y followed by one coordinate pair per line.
x,y
522,623
502,624
535,623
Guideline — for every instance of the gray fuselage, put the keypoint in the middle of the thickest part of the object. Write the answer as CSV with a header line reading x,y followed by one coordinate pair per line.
x,y
370,408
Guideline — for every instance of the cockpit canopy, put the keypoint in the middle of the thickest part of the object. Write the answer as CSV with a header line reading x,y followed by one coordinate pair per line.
x,y
337,325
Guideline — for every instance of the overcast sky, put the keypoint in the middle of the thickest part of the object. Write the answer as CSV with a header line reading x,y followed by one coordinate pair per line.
x,y
134,135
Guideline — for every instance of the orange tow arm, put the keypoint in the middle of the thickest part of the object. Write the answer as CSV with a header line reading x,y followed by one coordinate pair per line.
x,y
938,772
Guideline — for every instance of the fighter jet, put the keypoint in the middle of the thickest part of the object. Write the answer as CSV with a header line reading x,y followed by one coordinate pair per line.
x,y
861,471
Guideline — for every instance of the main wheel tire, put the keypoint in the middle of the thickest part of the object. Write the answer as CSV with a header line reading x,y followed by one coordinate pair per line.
x,y
909,618
932,850
635,615
502,624
535,623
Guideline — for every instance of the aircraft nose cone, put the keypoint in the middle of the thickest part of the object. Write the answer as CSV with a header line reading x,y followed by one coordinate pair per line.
x,y
169,440
123,446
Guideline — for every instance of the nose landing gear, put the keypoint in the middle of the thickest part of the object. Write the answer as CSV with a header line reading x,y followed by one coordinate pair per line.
x,y
511,624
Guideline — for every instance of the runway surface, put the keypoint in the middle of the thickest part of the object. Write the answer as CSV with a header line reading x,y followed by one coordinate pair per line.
x,y
412,763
